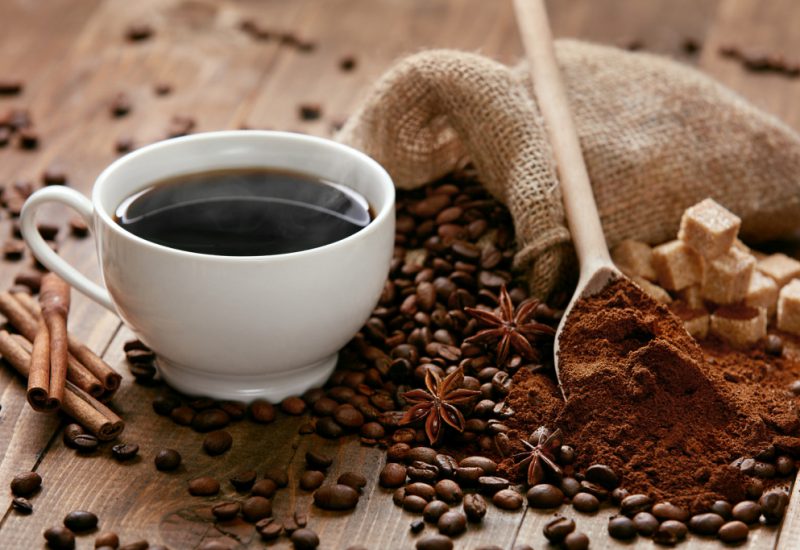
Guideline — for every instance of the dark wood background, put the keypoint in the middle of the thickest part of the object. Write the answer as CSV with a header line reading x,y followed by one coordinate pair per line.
x,y
73,58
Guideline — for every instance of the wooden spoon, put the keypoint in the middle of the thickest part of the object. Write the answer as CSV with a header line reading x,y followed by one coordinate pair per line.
x,y
596,268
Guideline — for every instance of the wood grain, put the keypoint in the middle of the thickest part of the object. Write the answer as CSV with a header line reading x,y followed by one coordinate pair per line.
x,y
74,59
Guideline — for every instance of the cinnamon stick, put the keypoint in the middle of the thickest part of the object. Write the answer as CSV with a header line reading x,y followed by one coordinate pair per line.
x,y
28,325
82,407
54,298
81,352
39,375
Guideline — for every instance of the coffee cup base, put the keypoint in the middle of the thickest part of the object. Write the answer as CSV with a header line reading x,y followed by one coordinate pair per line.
x,y
273,386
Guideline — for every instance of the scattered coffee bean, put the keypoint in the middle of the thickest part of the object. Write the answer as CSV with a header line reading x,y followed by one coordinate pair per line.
x,y
124,144
183,416
336,497
243,481
746,511
557,529
421,490
452,523
327,427
667,510
392,475
417,526
309,111
733,532
586,503
293,405
621,527
474,507
217,442
774,345
80,521
54,175
264,488
256,508
706,524
545,496
670,532
304,539
449,491
277,474
433,510
13,249
25,484
164,404
225,511
180,126
60,538
71,431
318,461
508,499
646,523
22,505
570,486
722,508
269,529
603,476
28,139
594,489
347,63
209,420
415,504
633,504
488,465
262,411
794,387
125,451
137,32
107,539
10,86
492,484
162,88
354,480
203,486
434,542
773,505
167,460
576,541
311,480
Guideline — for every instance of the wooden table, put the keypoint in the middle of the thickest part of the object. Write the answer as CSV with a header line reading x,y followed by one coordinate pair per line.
x,y
74,59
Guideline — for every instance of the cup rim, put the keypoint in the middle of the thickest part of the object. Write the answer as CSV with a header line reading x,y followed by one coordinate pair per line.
x,y
374,225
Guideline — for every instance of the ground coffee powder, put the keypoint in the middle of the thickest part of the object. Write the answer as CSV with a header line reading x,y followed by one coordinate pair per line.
x,y
647,400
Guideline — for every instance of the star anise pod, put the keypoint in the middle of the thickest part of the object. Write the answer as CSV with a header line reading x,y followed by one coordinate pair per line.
x,y
511,329
438,404
539,454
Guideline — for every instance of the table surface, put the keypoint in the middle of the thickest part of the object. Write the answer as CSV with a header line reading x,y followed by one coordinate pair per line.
x,y
74,59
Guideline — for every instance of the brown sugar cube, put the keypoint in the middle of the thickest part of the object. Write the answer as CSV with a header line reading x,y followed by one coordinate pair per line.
x,y
709,228
695,320
789,307
693,296
654,291
635,259
677,265
762,292
780,267
739,326
726,279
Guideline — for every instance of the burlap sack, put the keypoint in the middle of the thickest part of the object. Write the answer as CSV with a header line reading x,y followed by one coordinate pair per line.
x,y
657,137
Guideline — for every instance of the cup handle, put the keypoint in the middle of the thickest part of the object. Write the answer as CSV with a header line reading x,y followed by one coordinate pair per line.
x,y
46,255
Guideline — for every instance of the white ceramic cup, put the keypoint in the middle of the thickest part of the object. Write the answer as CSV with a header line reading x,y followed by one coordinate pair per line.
x,y
233,327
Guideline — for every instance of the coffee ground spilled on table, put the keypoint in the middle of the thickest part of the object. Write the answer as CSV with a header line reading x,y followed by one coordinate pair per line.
x,y
646,400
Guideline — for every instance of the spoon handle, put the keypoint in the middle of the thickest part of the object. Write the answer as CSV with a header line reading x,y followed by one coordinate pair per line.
x,y
582,215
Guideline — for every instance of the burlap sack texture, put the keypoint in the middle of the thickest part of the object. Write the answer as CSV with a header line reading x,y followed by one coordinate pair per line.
x,y
657,137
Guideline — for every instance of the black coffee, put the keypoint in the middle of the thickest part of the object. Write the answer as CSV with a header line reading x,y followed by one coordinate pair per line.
x,y
244,212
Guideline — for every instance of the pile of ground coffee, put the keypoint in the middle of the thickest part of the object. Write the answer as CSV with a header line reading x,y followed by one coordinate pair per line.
x,y
646,400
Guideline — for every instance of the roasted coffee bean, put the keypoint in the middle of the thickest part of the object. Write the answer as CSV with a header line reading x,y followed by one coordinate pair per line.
x,y
121,105
22,505
278,475
646,523
125,451
354,480
746,511
167,460
633,504
256,508
392,475
348,416
309,111
372,430
225,511
10,86
557,529
203,486
576,541
733,532
492,484
264,488
336,497
243,481
311,480
508,499
603,476
421,490
165,404
28,138
25,484
80,521
773,505
706,524
474,507
13,249
123,144
545,495
422,454
446,464
754,488
784,465
469,475
764,470
327,427
621,527
209,420
452,523
586,503
235,409
304,539
434,542
137,32
262,411
318,461
722,508
417,526
183,416
60,538
449,491
794,387
594,489
419,471
570,486
433,510
146,357
488,465
85,443
670,532
107,539
415,504
667,510
774,345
